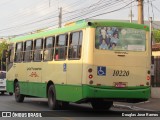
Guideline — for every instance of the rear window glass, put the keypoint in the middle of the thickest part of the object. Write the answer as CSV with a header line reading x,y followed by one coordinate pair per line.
x,y
119,38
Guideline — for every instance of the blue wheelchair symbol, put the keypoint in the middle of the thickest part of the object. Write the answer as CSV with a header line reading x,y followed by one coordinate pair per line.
x,y
101,71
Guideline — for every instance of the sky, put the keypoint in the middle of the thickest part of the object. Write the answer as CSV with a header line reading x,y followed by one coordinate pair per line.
x,y
18,17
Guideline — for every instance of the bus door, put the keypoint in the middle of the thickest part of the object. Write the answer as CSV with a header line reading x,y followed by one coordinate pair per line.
x,y
10,63
74,64
19,67
10,67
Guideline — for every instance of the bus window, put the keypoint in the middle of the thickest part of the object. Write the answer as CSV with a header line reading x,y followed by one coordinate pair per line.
x,y
38,45
49,48
75,45
28,50
11,54
61,47
19,52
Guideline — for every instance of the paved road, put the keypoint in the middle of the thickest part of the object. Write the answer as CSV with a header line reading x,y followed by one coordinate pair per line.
x,y
75,112
8,103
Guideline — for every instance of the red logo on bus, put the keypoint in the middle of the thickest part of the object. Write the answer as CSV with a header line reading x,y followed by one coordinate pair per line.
x,y
33,74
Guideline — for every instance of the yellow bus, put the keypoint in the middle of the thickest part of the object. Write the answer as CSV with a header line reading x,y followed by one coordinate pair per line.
x,y
87,61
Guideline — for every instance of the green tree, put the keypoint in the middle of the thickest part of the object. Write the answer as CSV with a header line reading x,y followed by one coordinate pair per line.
x,y
3,46
156,35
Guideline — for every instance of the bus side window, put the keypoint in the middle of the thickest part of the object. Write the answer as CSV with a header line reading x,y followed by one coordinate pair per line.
x,y
61,47
28,53
49,48
19,52
11,54
38,45
75,45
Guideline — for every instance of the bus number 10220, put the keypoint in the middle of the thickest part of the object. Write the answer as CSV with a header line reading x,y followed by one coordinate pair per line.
x,y
120,73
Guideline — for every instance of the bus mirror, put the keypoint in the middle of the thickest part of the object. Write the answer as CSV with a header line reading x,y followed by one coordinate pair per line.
x,y
4,55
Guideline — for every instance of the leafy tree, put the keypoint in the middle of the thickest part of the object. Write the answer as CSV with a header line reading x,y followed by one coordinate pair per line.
x,y
3,46
156,35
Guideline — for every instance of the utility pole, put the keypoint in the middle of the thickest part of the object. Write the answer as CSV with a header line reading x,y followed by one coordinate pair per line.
x,y
60,17
152,57
140,12
49,3
150,21
131,14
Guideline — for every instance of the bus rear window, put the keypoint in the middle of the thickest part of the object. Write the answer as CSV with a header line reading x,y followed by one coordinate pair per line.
x,y
118,38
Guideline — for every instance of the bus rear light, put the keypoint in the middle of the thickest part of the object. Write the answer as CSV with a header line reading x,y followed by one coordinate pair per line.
x,y
90,76
91,82
90,70
148,78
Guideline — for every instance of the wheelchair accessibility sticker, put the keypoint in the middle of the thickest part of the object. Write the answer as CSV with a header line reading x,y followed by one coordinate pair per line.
x,y
101,71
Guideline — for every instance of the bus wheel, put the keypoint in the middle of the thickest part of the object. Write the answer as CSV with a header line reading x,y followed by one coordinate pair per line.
x,y
52,102
101,105
19,97
2,93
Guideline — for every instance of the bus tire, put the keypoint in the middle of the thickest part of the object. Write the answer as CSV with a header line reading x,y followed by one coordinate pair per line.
x,y
101,105
52,102
18,97
2,93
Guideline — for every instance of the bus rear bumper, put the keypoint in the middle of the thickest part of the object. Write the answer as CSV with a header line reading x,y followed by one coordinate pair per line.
x,y
115,93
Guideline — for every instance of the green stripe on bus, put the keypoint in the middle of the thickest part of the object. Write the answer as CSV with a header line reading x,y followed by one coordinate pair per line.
x,y
75,93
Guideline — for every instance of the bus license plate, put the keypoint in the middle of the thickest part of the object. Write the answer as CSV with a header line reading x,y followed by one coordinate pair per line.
x,y
120,85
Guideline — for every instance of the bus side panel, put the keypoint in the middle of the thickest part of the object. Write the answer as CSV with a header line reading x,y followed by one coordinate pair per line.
x,y
10,86
10,80
10,77
70,93
37,89
23,87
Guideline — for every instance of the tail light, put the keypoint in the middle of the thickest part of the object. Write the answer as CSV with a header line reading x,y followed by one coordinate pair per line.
x,y
90,76
90,70
148,77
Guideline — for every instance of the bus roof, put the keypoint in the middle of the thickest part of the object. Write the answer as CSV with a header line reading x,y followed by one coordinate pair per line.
x,y
72,26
